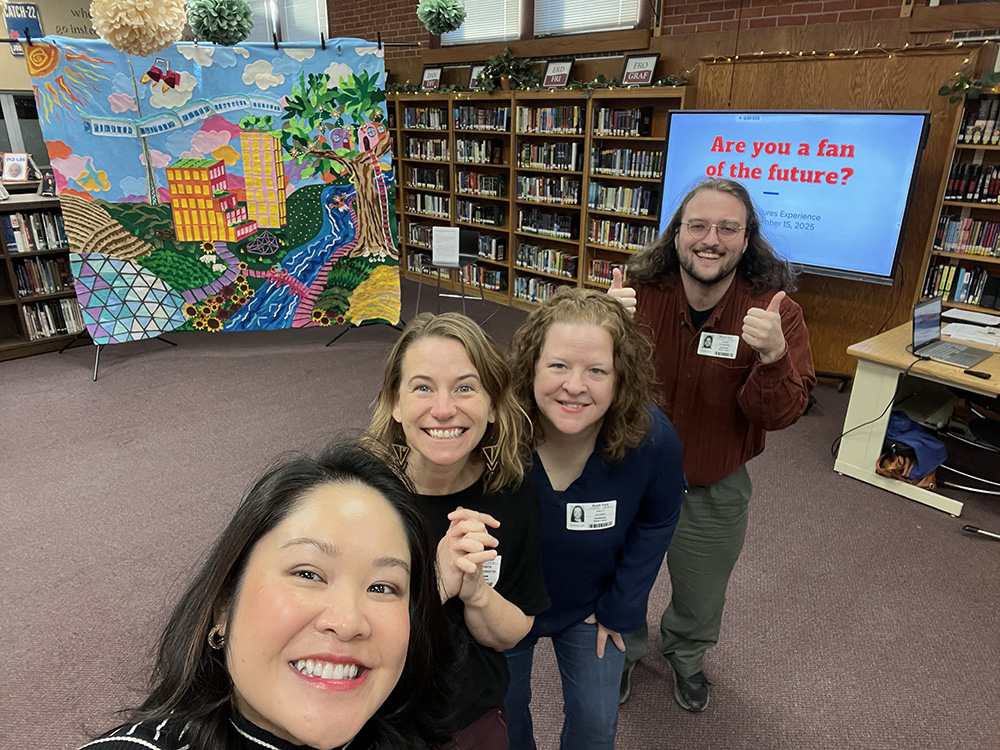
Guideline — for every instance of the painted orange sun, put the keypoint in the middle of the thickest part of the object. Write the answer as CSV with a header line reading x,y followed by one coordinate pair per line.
x,y
69,90
42,59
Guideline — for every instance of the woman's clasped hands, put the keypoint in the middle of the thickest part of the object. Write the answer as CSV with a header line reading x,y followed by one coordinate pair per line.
x,y
461,554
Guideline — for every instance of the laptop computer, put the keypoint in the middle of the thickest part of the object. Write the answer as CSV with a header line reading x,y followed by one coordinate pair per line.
x,y
927,340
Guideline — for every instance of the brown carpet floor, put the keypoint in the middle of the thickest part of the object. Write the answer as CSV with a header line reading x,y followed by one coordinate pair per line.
x,y
856,618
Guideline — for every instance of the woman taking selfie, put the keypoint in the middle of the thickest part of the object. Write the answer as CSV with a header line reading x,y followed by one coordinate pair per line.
x,y
446,408
315,621
608,469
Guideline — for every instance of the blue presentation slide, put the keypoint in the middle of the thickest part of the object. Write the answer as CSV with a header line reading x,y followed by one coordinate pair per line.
x,y
832,187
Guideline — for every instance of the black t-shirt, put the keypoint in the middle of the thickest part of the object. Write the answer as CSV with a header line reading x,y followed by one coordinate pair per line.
x,y
483,678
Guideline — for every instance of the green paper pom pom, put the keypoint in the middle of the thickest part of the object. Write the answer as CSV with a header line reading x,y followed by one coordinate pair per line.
x,y
441,16
225,22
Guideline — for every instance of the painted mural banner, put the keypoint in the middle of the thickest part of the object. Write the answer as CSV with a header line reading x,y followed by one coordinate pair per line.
x,y
222,188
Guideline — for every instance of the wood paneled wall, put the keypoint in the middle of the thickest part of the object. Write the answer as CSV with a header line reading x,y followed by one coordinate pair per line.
x,y
838,312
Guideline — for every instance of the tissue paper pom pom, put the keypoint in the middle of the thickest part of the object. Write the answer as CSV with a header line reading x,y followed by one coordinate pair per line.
x,y
139,27
225,22
441,16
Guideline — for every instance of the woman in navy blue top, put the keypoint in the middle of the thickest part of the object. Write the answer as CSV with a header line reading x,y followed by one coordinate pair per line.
x,y
609,472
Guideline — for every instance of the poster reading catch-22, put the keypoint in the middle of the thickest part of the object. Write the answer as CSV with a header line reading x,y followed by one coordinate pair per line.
x,y
222,188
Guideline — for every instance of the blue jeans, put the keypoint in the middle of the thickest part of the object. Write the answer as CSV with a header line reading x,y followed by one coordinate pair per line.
x,y
590,690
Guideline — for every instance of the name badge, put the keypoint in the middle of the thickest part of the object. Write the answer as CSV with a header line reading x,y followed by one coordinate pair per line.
x,y
591,516
718,345
491,571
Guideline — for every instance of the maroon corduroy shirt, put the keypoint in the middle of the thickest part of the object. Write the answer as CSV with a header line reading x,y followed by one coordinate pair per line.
x,y
721,408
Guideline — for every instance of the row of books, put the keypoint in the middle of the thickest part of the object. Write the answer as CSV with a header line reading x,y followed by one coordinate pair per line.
x,y
479,213
427,177
562,156
633,122
421,263
419,234
971,286
547,260
968,235
482,151
58,317
432,118
490,278
534,289
981,124
627,162
482,118
31,232
977,183
467,181
42,276
425,203
611,233
638,201
429,149
561,190
534,221
600,270
492,248
561,120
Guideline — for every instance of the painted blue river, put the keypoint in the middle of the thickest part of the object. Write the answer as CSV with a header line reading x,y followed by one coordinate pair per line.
x,y
274,304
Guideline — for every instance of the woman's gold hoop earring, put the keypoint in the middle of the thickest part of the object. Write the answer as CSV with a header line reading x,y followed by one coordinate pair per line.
x,y
216,639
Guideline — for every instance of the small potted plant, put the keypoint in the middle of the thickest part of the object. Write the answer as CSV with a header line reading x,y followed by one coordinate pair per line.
x,y
504,72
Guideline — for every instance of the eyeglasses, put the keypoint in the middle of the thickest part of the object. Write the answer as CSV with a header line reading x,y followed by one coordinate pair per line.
x,y
727,230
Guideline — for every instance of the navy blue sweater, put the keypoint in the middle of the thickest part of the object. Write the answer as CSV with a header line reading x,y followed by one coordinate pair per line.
x,y
610,571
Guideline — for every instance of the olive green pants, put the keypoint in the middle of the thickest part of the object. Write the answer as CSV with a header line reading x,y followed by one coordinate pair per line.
x,y
706,545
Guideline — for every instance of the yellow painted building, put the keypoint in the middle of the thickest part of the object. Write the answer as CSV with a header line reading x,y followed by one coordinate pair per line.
x,y
203,209
264,178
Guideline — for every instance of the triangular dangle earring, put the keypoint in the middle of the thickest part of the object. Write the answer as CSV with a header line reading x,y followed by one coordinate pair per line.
x,y
491,452
401,450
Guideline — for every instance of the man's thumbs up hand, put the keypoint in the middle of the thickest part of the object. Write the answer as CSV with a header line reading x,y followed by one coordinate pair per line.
x,y
623,294
762,330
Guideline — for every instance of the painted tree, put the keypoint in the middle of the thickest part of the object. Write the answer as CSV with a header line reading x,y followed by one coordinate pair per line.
x,y
313,112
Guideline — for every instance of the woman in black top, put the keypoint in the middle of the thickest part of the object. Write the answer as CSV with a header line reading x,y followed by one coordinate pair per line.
x,y
447,409
315,621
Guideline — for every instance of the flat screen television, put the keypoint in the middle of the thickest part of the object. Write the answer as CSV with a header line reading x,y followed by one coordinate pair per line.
x,y
832,188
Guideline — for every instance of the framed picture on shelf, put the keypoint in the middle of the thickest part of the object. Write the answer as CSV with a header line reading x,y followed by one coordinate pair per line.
x,y
431,78
47,183
638,69
557,74
474,77
15,167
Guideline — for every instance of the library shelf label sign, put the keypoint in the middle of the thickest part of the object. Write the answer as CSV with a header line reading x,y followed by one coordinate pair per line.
x,y
832,188
557,74
638,69
221,188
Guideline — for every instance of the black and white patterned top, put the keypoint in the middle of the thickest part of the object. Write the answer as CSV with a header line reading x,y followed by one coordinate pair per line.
x,y
169,734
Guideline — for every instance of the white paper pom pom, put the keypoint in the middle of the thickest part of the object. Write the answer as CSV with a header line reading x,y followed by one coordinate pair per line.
x,y
139,27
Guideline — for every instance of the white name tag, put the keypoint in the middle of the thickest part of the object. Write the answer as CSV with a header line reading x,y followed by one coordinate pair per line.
x,y
491,571
718,345
591,516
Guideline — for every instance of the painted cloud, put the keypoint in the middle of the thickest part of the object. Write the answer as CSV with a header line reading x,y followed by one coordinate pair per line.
x,y
260,74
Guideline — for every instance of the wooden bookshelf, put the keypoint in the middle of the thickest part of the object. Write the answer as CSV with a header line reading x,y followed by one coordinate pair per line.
x,y
34,279
525,170
963,255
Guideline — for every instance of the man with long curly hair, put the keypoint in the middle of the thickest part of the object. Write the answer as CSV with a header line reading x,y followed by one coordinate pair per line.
x,y
732,352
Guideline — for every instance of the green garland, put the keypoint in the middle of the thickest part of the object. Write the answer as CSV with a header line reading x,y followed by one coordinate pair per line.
x,y
965,85
225,22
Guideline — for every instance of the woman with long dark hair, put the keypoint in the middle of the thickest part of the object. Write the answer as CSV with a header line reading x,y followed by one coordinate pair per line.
x,y
315,621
